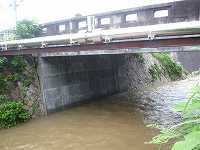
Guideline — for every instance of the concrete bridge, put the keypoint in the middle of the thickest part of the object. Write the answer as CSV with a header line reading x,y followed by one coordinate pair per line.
x,y
68,77
171,26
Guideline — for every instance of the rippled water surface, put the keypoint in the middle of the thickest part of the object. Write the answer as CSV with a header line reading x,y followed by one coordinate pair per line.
x,y
113,123
157,103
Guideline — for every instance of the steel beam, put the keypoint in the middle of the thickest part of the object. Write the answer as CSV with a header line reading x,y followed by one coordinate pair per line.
x,y
167,44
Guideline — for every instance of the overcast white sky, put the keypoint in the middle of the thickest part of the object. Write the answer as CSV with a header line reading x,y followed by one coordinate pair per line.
x,y
50,10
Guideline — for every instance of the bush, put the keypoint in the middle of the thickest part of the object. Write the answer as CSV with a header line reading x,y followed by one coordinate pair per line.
x,y
12,113
170,67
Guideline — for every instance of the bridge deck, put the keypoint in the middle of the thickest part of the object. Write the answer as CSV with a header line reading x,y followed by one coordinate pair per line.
x,y
173,26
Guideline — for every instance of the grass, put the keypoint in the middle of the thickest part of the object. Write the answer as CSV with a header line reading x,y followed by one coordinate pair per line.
x,y
168,65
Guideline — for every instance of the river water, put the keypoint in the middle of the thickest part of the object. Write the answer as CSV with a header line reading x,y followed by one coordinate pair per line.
x,y
113,123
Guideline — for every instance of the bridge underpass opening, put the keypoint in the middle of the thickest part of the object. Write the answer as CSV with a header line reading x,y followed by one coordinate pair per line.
x,y
69,80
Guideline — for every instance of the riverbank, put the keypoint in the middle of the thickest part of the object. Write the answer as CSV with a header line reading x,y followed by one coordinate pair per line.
x,y
110,123
158,101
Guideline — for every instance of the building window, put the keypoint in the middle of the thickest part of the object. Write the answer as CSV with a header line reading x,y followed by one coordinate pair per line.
x,y
82,24
61,28
131,17
105,21
161,13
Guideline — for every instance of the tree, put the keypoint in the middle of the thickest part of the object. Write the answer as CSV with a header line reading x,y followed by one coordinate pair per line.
x,y
27,29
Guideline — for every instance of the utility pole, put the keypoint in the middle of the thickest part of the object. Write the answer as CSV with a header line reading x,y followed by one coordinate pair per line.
x,y
15,4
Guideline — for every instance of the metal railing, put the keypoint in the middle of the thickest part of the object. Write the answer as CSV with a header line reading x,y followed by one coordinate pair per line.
x,y
151,32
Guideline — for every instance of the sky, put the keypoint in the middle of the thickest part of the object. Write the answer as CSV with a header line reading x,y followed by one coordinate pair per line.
x,y
51,10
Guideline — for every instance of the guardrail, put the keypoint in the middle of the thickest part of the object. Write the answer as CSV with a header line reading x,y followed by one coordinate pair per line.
x,y
150,32
180,11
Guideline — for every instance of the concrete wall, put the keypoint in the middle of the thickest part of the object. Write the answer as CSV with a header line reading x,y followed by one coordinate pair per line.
x,y
189,60
69,80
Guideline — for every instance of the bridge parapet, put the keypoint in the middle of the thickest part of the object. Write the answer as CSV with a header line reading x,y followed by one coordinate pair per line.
x,y
180,11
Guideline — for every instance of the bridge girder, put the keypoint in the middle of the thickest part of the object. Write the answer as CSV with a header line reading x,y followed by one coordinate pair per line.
x,y
166,44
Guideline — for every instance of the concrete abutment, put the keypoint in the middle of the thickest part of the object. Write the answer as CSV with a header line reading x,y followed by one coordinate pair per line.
x,y
68,80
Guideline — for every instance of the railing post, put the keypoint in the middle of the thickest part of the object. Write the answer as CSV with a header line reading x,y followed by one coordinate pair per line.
x,y
90,23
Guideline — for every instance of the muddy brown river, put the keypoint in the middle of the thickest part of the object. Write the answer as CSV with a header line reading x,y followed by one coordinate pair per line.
x,y
113,123
108,124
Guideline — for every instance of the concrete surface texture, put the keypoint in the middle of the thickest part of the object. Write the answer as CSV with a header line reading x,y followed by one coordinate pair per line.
x,y
69,80
189,60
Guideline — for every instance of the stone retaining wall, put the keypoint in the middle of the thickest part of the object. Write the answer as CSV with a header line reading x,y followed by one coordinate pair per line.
x,y
69,80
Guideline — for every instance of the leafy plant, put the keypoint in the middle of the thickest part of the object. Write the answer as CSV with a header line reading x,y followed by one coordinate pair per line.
x,y
155,72
27,29
170,67
3,60
186,133
12,113
11,71
18,64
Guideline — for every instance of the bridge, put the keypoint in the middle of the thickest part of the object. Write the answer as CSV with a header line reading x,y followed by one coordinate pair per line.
x,y
172,26
68,77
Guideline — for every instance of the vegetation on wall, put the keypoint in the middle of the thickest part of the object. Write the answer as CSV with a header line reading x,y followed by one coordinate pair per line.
x,y
12,111
15,74
186,133
167,67
12,72
155,72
